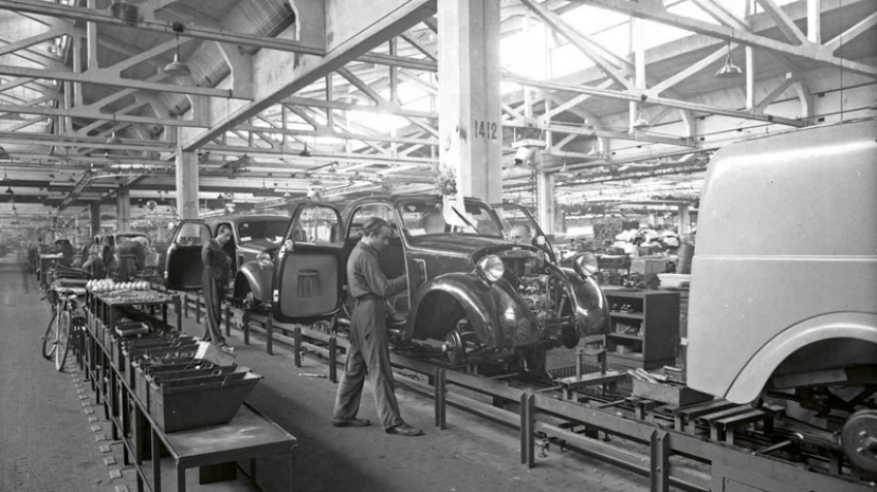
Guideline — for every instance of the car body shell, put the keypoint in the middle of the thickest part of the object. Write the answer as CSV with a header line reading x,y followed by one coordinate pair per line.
x,y
784,279
183,261
513,214
443,283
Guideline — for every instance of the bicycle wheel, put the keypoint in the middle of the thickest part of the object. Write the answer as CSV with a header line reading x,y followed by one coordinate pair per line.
x,y
63,346
49,337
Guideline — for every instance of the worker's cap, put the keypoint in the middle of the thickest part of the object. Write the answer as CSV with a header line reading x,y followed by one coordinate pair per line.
x,y
373,225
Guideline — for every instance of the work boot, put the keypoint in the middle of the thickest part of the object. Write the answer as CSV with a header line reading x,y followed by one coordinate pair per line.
x,y
404,430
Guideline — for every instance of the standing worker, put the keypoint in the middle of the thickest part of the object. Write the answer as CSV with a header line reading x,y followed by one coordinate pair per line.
x,y
369,353
215,276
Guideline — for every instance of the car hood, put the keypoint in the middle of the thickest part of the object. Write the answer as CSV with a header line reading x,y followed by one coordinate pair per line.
x,y
473,246
258,245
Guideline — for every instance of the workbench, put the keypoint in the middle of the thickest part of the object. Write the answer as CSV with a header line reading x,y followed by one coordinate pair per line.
x,y
248,436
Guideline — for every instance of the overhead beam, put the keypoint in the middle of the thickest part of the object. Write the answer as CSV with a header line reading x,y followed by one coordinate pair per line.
x,y
74,113
580,41
782,20
701,64
393,24
566,106
654,11
113,80
323,104
867,23
336,134
596,132
644,98
28,42
203,32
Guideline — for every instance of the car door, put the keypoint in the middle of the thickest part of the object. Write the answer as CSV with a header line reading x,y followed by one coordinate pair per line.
x,y
183,263
308,272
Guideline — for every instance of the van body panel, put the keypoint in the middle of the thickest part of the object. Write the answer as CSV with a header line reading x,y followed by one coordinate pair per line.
x,y
787,232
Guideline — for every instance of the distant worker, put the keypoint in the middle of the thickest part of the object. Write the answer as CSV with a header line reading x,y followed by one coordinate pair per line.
x,y
215,276
368,352
521,234
94,263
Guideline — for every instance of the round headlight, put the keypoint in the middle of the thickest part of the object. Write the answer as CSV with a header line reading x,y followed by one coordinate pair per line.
x,y
491,267
264,259
586,264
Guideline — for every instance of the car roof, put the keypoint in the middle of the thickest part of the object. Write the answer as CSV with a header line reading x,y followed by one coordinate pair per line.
x,y
243,218
396,199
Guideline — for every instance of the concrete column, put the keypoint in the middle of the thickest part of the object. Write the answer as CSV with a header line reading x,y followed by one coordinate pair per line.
x,y
637,26
94,215
123,209
91,37
545,202
470,127
814,21
187,185
684,220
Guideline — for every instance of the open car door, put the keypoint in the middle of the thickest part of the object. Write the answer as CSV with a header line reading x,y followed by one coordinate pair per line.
x,y
309,269
512,214
183,264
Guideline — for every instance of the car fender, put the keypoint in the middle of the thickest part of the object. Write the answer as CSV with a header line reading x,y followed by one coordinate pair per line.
x,y
755,374
473,294
257,277
591,306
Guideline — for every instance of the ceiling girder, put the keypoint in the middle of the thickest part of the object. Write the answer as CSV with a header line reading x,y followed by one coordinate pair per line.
x,y
398,21
111,78
644,98
94,114
654,11
202,32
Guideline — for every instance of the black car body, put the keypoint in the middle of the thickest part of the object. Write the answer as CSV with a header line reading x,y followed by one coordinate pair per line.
x,y
512,214
523,301
252,235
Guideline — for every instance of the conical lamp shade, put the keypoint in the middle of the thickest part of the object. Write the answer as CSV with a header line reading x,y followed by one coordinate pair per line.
x,y
729,70
176,67
640,124
114,140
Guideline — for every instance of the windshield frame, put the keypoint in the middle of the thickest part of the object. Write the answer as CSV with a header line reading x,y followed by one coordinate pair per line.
x,y
400,211
284,226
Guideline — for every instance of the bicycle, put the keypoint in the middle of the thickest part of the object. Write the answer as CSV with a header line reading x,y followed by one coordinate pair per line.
x,y
65,328
48,339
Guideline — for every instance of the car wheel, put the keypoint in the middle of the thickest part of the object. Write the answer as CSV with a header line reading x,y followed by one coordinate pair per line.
x,y
250,303
459,342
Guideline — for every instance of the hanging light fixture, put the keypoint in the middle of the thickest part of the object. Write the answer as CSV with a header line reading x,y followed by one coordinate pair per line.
x,y
176,67
9,191
640,123
114,140
305,153
729,70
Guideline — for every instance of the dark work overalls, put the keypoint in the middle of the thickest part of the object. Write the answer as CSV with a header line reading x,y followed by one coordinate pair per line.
x,y
215,275
369,353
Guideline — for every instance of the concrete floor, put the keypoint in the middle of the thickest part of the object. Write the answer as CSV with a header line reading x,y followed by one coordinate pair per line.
x,y
48,444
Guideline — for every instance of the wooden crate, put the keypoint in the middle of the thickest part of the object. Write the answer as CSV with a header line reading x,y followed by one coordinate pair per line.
x,y
671,393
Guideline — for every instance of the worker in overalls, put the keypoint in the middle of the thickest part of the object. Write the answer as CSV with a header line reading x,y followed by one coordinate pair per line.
x,y
368,353
215,276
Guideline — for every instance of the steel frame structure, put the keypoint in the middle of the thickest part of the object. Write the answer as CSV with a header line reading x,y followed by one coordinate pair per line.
x,y
311,115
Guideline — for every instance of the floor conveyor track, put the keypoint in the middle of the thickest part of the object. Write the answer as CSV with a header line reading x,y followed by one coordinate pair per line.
x,y
717,446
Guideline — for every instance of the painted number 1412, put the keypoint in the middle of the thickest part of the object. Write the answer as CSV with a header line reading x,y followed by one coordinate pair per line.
x,y
486,130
